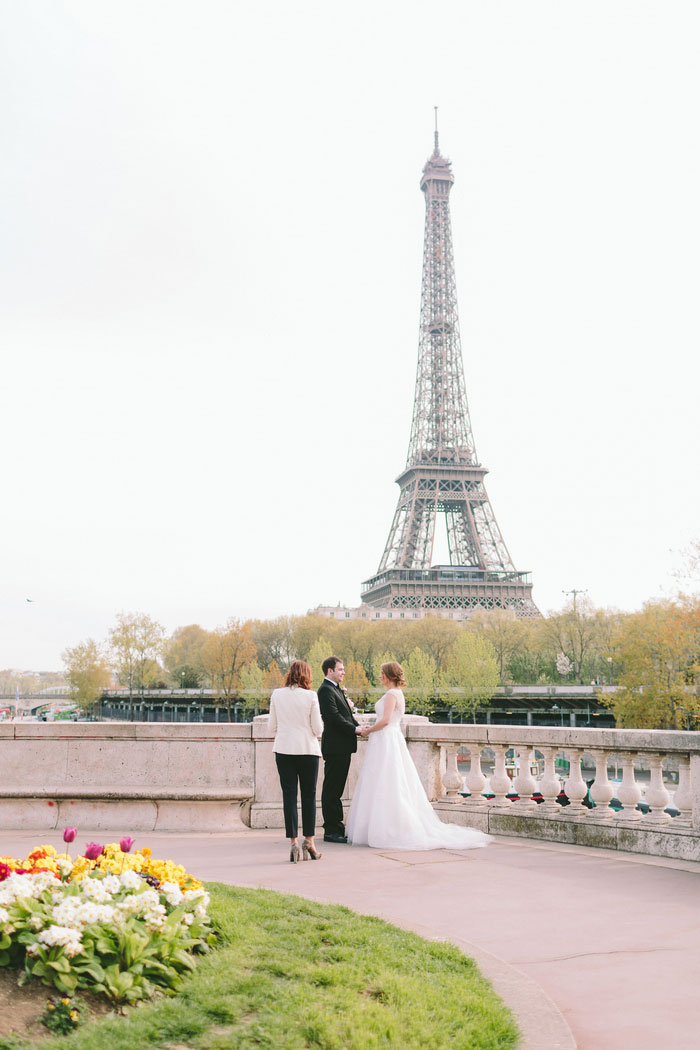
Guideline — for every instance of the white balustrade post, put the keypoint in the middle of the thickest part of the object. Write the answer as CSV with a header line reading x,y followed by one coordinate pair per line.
x,y
524,783
452,778
602,790
683,799
500,781
657,797
575,785
476,781
549,785
629,793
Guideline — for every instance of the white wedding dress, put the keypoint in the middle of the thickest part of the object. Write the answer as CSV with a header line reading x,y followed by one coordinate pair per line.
x,y
390,808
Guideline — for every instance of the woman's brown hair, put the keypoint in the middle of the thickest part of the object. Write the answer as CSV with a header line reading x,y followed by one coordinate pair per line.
x,y
299,673
394,672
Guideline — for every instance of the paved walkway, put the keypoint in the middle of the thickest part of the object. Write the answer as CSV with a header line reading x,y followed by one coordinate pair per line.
x,y
609,942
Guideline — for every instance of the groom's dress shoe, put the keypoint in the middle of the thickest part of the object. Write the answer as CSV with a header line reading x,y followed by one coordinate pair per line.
x,y
335,838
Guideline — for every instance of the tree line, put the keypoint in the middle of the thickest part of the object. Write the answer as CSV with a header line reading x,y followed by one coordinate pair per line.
x,y
652,656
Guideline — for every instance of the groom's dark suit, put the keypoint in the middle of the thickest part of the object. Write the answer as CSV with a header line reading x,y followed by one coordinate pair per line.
x,y
338,744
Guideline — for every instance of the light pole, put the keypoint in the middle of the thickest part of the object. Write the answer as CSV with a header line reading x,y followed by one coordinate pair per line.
x,y
574,591
610,670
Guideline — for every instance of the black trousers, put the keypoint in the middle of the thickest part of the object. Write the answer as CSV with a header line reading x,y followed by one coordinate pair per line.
x,y
335,774
301,770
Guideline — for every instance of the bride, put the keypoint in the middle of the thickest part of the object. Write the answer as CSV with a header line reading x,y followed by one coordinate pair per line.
x,y
390,808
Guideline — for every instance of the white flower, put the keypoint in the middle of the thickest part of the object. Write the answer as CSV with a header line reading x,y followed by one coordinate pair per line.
x,y
187,919
36,922
155,916
95,890
32,950
76,914
111,883
4,915
130,880
172,893
40,881
193,895
139,902
64,866
64,936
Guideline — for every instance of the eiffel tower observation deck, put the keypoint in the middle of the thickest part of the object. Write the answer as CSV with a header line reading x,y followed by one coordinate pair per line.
x,y
443,475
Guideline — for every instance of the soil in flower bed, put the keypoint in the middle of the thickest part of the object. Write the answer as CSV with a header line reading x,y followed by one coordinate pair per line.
x,y
21,1008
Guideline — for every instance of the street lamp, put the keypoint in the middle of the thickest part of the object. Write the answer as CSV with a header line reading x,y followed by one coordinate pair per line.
x,y
555,708
610,669
182,679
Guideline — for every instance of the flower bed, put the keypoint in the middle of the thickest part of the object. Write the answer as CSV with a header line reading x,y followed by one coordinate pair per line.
x,y
118,923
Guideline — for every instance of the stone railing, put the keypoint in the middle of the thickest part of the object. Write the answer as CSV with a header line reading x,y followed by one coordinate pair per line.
x,y
523,761
126,776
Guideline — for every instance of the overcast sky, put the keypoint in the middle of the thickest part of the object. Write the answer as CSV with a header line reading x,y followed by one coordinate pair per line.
x,y
211,254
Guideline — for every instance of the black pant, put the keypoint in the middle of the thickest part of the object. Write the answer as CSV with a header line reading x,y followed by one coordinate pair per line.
x,y
335,773
304,770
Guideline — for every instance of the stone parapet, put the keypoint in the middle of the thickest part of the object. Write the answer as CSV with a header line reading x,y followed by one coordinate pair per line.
x,y
119,777
125,777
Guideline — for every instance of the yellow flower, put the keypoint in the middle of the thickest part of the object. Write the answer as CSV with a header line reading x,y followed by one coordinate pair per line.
x,y
66,1002
80,869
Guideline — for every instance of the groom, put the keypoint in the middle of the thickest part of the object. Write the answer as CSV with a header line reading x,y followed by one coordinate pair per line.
x,y
338,744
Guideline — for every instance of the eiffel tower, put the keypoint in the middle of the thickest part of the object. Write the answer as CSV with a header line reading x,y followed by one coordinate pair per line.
x,y
442,473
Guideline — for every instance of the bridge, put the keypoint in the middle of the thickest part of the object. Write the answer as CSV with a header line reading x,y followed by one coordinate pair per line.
x,y
555,705
584,916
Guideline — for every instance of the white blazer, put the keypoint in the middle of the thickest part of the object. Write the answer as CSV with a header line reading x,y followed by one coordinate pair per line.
x,y
295,719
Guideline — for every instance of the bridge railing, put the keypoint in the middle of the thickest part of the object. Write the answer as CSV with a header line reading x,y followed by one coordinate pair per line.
x,y
656,792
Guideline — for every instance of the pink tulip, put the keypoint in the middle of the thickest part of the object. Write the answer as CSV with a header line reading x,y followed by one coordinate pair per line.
x,y
69,834
93,850
126,843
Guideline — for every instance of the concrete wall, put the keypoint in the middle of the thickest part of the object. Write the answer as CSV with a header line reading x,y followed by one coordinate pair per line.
x,y
122,776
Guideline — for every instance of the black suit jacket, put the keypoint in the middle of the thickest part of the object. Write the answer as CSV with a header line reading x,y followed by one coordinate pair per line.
x,y
339,737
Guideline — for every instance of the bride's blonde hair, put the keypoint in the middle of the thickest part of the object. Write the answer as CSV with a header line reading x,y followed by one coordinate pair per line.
x,y
394,672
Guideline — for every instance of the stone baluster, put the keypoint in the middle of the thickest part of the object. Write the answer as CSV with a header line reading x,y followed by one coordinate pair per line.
x,y
575,785
452,778
657,797
629,792
476,781
602,790
501,783
683,799
524,783
549,785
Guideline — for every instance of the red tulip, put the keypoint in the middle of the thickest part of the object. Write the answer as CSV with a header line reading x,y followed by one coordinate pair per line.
x,y
69,834
93,850
126,843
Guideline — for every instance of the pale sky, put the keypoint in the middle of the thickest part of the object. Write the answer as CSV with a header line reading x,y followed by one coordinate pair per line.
x,y
211,254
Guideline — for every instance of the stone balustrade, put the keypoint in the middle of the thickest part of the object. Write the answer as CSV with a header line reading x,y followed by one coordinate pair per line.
x,y
651,761
194,777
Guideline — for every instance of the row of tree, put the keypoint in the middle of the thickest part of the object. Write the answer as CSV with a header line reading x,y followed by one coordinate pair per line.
x,y
652,656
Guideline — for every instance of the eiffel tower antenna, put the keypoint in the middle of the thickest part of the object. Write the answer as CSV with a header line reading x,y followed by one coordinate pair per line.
x,y
443,475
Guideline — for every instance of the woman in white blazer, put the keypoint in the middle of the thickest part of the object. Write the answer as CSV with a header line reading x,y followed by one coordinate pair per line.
x,y
295,720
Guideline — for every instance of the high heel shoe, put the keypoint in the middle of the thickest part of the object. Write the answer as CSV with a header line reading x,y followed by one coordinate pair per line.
x,y
294,854
310,851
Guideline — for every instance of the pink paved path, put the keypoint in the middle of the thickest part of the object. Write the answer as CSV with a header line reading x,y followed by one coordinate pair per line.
x,y
612,939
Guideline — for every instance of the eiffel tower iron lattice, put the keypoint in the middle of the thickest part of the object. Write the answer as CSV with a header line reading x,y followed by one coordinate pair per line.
x,y
442,473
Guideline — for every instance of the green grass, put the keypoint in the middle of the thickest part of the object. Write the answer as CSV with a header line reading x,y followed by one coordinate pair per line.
x,y
293,974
